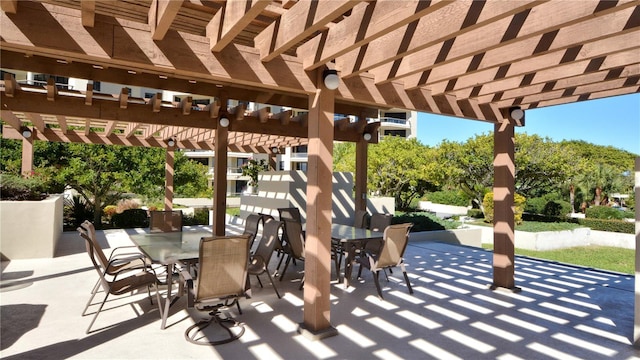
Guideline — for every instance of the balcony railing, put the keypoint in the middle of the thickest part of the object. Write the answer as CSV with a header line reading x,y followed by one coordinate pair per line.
x,y
391,120
231,171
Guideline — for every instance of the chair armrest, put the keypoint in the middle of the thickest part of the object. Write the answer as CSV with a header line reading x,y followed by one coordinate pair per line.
x,y
114,252
186,283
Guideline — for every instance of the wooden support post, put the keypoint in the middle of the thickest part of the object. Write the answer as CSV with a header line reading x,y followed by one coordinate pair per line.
x,y
168,179
317,267
361,175
220,179
503,206
27,153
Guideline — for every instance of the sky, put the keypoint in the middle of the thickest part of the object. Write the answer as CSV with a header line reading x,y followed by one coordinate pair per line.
x,y
613,121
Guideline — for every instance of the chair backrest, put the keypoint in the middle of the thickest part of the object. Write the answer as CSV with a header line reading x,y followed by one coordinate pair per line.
x,y
94,254
380,221
251,225
360,219
165,221
395,238
295,237
223,267
270,238
88,232
290,214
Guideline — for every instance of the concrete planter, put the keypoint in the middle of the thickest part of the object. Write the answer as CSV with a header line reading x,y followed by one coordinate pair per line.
x,y
30,229
467,236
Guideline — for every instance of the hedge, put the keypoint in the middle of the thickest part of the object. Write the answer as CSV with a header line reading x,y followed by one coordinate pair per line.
x,y
424,221
609,225
131,218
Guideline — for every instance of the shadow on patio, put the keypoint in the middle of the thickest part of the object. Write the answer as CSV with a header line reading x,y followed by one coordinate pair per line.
x,y
562,312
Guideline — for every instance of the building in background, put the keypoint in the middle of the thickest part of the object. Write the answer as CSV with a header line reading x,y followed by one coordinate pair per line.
x,y
393,122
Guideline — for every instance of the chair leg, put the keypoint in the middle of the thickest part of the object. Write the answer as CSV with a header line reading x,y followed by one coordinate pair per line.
x,y
286,264
375,278
273,283
280,263
93,295
406,277
260,282
97,312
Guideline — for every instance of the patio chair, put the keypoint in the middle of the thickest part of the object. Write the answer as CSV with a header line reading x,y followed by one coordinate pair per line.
x,y
223,264
291,213
260,260
117,261
388,255
360,219
165,221
251,225
294,247
118,285
380,221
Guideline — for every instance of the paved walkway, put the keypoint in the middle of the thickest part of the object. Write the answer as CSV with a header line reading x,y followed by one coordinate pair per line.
x,y
563,312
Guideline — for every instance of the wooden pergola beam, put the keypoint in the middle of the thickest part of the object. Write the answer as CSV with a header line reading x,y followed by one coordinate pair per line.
x,y
161,15
229,21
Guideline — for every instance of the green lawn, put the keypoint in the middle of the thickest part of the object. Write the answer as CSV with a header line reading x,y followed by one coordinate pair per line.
x,y
599,257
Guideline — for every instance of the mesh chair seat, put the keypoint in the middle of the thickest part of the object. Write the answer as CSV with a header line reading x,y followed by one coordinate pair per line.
x,y
165,221
223,264
389,255
260,260
117,284
294,247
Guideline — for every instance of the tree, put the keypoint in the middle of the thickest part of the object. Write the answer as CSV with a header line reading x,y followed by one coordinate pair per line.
x,y
401,168
468,166
98,173
344,157
541,165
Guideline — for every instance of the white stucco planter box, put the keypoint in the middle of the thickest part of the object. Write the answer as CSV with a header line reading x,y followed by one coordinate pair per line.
x,y
30,229
466,236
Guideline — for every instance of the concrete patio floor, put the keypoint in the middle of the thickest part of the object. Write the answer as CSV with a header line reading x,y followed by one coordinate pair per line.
x,y
563,312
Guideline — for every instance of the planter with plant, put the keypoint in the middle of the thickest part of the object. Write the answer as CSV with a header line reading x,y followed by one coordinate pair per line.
x,y
252,168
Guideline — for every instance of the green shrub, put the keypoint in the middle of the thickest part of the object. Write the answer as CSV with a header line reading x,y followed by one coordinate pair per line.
x,y
75,211
556,208
475,213
17,188
535,205
609,225
131,218
518,200
199,217
448,197
424,221
604,212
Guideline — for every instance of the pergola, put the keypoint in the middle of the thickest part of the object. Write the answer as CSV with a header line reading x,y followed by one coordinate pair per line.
x,y
479,60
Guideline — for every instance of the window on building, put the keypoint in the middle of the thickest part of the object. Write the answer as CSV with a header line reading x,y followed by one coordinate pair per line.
x,y
396,115
149,95
402,133
280,165
2,74
301,166
96,86
60,81
300,149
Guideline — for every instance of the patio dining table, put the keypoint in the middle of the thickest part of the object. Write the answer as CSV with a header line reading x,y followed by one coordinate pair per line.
x,y
169,248
352,239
